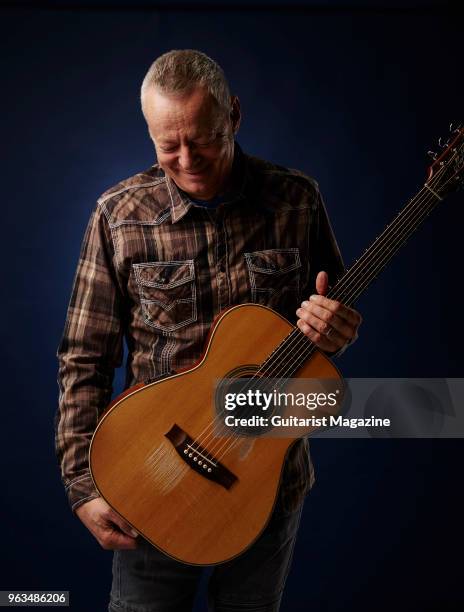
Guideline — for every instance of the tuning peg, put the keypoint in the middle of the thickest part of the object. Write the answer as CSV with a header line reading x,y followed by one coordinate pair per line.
x,y
432,154
455,127
441,144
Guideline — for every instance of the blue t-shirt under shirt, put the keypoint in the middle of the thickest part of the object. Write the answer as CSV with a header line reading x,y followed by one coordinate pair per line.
x,y
213,203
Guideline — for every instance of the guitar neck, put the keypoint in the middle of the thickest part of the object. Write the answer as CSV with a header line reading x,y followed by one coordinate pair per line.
x,y
445,175
356,280
361,274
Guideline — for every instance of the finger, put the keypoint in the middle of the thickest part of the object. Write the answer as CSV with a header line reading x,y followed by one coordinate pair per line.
x,y
322,282
325,330
321,341
114,518
325,321
123,525
350,315
112,539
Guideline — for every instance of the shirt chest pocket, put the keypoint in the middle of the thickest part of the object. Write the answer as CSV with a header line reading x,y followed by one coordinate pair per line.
x,y
167,293
275,278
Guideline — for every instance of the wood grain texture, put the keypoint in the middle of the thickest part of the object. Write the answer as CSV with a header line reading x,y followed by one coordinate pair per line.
x,y
139,473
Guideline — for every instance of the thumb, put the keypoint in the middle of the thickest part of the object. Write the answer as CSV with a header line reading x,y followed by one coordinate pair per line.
x,y
322,283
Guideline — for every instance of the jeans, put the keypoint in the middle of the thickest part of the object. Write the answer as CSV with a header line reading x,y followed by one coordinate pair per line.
x,y
146,580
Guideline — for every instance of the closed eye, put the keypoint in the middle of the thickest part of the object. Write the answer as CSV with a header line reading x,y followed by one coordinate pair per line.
x,y
201,143
208,142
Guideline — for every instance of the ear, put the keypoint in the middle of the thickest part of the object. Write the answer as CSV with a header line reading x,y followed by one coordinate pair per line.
x,y
235,113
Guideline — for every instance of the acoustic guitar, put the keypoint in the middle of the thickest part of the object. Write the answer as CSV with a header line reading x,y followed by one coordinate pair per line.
x,y
157,457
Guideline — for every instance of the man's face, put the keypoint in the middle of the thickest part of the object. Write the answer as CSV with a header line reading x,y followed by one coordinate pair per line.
x,y
194,141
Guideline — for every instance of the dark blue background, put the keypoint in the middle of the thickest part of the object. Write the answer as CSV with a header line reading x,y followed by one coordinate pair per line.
x,y
353,95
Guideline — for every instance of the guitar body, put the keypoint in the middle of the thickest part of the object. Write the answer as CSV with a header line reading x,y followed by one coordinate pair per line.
x,y
139,472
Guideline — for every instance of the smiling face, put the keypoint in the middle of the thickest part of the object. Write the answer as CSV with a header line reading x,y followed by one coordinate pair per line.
x,y
193,138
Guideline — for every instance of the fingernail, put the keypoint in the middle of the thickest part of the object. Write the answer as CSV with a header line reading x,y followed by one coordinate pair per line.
x,y
134,533
313,297
305,303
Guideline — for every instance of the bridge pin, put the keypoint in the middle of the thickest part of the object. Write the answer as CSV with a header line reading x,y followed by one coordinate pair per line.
x,y
190,454
209,469
195,458
204,466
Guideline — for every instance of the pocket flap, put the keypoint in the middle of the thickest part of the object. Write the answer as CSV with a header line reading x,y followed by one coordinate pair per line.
x,y
164,274
274,261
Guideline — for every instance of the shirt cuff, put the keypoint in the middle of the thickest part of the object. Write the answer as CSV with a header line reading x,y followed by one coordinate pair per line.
x,y
81,490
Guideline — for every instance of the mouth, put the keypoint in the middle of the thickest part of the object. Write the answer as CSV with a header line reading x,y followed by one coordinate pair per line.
x,y
194,174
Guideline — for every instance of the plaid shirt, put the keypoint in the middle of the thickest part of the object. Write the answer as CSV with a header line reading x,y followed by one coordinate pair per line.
x,y
155,269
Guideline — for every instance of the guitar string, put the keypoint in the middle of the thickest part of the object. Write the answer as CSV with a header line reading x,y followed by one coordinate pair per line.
x,y
287,370
291,346
357,284
393,244
373,273
401,222
388,233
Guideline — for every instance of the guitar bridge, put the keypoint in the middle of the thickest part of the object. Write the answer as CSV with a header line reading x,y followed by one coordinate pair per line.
x,y
196,457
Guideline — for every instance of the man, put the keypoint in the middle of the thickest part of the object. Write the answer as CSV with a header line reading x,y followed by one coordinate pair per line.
x,y
165,251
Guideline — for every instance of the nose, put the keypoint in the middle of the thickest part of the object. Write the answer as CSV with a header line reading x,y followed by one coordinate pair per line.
x,y
188,159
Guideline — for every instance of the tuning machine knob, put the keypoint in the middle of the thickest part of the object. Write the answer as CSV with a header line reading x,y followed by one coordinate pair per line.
x,y
442,144
454,127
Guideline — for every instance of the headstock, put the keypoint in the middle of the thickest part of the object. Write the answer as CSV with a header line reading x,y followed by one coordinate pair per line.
x,y
446,174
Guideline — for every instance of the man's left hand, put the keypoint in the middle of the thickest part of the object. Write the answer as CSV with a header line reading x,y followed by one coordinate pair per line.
x,y
329,324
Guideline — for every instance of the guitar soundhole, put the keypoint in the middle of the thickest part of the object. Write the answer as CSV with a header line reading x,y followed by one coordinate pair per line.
x,y
245,417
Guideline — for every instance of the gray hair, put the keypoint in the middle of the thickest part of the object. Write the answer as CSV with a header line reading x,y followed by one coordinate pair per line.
x,y
179,71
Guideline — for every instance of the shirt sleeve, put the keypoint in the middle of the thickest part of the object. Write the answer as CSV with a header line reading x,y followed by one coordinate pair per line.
x,y
90,349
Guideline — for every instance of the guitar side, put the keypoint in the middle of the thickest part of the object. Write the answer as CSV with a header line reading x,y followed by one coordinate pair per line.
x,y
139,472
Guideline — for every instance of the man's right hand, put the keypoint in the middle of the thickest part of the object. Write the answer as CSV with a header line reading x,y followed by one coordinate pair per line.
x,y
111,530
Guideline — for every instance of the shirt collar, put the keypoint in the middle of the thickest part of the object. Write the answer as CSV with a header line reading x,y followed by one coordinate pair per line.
x,y
181,203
